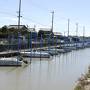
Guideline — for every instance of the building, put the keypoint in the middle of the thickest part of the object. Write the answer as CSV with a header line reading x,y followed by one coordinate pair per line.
x,y
75,39
33,32
45,32
57,34
21,27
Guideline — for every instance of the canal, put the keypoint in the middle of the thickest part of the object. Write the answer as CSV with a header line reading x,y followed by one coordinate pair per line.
x,y
57,73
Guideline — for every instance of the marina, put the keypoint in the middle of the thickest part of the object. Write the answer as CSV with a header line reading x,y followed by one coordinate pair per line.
x,y
35,53
59,72
39,51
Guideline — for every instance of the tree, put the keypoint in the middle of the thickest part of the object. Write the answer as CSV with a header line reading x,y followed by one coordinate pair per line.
x,y
4,29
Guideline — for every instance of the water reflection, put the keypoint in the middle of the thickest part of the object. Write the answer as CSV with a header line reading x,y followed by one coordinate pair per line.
x,y
57,73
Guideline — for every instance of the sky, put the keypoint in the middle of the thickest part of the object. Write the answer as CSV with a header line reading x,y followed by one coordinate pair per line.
x,y
38,12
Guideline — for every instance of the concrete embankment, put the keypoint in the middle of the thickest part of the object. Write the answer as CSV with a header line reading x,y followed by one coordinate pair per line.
x,y
84,82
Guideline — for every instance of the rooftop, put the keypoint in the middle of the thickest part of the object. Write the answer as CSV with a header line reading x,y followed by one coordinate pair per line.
x,y
45,29
16,26
57,33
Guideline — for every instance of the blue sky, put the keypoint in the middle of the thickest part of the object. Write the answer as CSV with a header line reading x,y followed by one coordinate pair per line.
x,y
38,12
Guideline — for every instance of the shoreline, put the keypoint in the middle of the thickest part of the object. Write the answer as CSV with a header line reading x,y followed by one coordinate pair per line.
x,y
84,81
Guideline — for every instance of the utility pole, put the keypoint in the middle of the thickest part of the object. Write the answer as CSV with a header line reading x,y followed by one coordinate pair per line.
x,y
68,26
34,27
83,31
76,29
19,15
83,34
68,32
76,34
52,20
64,33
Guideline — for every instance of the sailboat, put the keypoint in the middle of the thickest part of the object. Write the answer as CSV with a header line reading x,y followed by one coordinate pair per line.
x,y
9,58
10,61
34,54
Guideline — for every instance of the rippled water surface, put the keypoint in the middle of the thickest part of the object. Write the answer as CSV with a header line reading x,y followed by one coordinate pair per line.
x,y
57,73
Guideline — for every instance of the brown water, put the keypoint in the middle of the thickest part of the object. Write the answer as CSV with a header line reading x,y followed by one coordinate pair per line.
x,y
57,73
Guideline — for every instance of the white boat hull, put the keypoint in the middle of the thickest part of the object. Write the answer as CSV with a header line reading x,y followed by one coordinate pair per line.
x,y
10,62
35,54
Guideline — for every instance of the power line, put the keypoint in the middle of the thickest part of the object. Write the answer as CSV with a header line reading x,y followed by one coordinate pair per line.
x,y
7,13
28,19
39,6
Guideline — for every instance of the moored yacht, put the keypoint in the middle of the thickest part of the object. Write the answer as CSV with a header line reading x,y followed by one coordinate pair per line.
x,y
35,54
10,61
